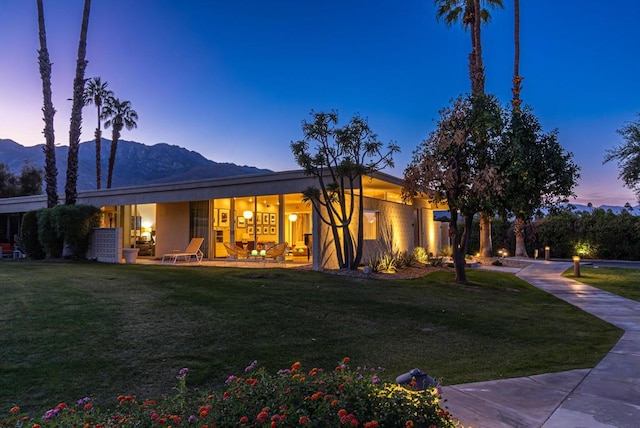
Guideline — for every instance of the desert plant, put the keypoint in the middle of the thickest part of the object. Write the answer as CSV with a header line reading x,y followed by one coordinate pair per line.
x,y
388,263
421,255
405,259
446,251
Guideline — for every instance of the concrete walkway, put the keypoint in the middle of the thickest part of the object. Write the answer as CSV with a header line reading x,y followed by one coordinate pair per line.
x,y
606,396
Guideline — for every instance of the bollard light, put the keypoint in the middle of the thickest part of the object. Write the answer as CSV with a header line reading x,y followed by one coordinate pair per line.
x,y
576,266
547,251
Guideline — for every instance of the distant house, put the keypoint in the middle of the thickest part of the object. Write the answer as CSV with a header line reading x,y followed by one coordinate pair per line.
x,y
252,211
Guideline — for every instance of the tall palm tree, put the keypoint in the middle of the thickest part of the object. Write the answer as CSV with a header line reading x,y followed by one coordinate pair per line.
x,y
95,93
464,11
75,127
519,222
51,172
117,115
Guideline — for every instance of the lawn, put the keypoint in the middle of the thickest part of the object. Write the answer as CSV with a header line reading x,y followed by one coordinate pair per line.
x,y
622,281
68,330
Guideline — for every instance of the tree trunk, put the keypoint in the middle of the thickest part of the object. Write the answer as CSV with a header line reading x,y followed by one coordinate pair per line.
x,y
477,83
518,229
486,247
98,148
51,171
517,79
75,128
115,136
460,241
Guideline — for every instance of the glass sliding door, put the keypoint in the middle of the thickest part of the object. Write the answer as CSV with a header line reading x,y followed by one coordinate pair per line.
x,y
199,223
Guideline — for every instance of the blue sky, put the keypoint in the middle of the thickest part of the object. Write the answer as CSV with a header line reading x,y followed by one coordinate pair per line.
x,y
234,80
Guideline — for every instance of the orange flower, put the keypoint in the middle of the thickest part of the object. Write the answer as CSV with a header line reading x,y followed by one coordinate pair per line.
x,y
342,412
14,409
88,407
296,366
334,403
409,424
244,419
372,424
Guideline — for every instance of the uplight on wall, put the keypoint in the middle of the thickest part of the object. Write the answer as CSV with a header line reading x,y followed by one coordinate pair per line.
x,y
293,217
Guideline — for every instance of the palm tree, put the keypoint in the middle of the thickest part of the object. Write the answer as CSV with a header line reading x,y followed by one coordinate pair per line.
x,y
519,222
117,115
96,93
51,172
75,127
464,11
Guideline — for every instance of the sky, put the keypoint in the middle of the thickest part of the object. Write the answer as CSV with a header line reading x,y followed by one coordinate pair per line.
x,y
234,80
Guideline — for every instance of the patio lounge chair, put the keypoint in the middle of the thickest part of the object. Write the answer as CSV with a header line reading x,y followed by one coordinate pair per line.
x,y
235,253
193,250
276,252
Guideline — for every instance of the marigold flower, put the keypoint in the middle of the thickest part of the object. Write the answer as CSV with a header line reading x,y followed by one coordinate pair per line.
x,y
346,359
372,424
244,419
342,412
274,424
36,426
88,407
14,409
296,366
354,422
334,403
303,420
409,424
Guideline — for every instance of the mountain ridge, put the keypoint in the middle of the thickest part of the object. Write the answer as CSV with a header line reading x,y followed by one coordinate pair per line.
x,y
136,163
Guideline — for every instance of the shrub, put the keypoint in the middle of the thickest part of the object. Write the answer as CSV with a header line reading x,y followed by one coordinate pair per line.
x,y
421,255
47,235
29,236
405,259
290,398
67,224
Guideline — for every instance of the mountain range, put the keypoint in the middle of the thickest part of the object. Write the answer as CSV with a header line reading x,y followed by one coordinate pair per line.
x,y
136,163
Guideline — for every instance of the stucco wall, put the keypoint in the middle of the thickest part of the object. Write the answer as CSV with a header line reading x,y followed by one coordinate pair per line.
x,y
395,219
172,227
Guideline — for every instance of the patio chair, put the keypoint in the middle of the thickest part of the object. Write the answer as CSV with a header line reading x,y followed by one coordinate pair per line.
x,y
276,253
193,250
236,252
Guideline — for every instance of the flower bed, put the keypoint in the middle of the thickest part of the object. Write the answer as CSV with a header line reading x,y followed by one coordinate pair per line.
x,y
343,397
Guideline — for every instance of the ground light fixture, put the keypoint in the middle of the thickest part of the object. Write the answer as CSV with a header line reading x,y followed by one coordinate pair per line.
x,y
576,266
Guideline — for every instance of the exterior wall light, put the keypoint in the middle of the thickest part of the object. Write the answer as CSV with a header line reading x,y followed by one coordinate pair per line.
x,y
247,214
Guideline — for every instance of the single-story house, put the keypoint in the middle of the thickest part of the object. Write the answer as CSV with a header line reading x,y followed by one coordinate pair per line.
x,y
252,211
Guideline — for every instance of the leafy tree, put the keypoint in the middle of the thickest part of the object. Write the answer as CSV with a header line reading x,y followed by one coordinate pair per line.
x,y
51,172
456,164
28,183
538,171
75,128
117,114
339,160
96,92
8,182
627,156
30,180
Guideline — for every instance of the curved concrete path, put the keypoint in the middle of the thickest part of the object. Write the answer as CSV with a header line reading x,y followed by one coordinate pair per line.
x,y
606,396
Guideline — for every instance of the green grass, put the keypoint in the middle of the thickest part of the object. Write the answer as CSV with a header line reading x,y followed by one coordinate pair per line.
x,y
68,330
622,281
